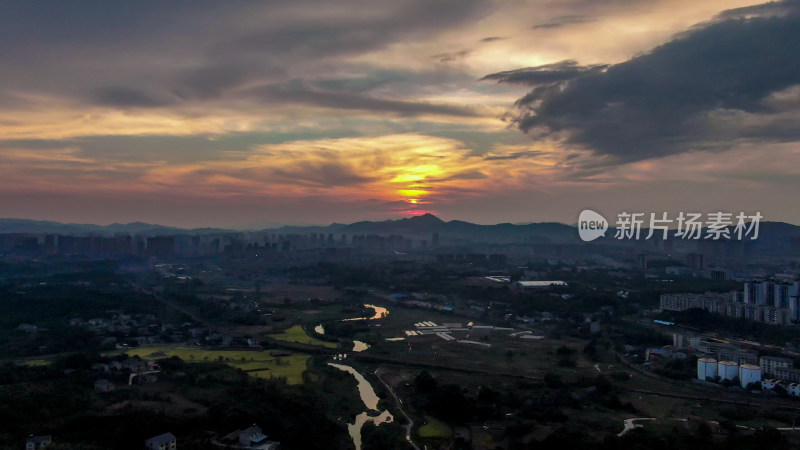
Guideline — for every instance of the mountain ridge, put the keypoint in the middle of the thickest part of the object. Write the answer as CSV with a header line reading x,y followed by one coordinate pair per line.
x,y
422,226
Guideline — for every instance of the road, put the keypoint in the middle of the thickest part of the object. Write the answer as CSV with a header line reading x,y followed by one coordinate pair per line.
x,y
408,426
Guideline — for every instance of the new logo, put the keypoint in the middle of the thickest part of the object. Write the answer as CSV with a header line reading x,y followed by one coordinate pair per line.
x,y
591,225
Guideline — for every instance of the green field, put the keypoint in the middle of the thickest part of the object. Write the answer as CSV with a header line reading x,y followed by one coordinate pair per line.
x,y
435,429
297,334
260,363
34,362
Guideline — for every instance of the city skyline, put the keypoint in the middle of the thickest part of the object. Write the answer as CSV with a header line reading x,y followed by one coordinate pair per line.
x,y
201,114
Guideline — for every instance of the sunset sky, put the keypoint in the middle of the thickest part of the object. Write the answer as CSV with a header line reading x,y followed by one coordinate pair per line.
x,y
233,113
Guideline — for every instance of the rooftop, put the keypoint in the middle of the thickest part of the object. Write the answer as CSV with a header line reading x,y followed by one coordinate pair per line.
x,y
162,439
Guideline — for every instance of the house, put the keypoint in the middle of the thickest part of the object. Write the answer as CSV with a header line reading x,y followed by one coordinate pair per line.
x,y
135,365
252,436
103,385
197,332
166,441
100,366
37,442
148,378
145,340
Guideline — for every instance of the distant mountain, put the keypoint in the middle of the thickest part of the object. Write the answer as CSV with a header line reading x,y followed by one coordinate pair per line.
x,y
43,226
425,225
773,236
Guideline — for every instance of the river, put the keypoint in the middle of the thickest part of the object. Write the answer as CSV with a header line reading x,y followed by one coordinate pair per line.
x,y
370,399
379,313
359,346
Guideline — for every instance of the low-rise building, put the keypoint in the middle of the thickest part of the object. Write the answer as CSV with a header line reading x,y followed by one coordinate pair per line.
x,y
103,385
252,436
769,364
788,374
166,441
37,442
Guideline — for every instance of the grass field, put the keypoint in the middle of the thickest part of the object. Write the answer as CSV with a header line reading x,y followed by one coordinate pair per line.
x,y
260,363
297,334
435,429
34,362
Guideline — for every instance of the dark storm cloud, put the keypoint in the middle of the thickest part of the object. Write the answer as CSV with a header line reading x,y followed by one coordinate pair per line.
x,y
545,74
764,10
706,89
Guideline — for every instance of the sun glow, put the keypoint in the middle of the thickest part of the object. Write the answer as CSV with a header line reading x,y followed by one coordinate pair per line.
x,y
418,173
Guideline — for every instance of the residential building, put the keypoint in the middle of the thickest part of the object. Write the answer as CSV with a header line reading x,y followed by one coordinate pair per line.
x,y
686,340
103,385
788,374
752,305
166,441
252,436
37,442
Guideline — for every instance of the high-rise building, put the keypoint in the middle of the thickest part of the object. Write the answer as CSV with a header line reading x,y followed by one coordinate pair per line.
x,y
694,261
161,246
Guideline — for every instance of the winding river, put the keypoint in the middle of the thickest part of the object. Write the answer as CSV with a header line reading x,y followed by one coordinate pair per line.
x,y
359,346
370,400
379,313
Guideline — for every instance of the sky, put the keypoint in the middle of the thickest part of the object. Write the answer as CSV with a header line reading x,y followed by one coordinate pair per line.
x,y
239,113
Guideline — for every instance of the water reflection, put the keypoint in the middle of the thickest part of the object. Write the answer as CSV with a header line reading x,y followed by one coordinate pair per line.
x,y
379,312
359,346
370,399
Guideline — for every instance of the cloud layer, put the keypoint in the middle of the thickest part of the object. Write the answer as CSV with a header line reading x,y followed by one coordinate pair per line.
x,y
222,113
722,82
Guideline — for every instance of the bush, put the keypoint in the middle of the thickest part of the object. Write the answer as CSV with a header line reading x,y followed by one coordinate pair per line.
x,y
553,380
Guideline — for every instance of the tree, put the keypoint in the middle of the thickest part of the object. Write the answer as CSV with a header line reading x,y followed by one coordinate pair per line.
x,y
425,383
553,380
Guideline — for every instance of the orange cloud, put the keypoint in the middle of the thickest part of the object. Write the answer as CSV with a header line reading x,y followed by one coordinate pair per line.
x,y
410,168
